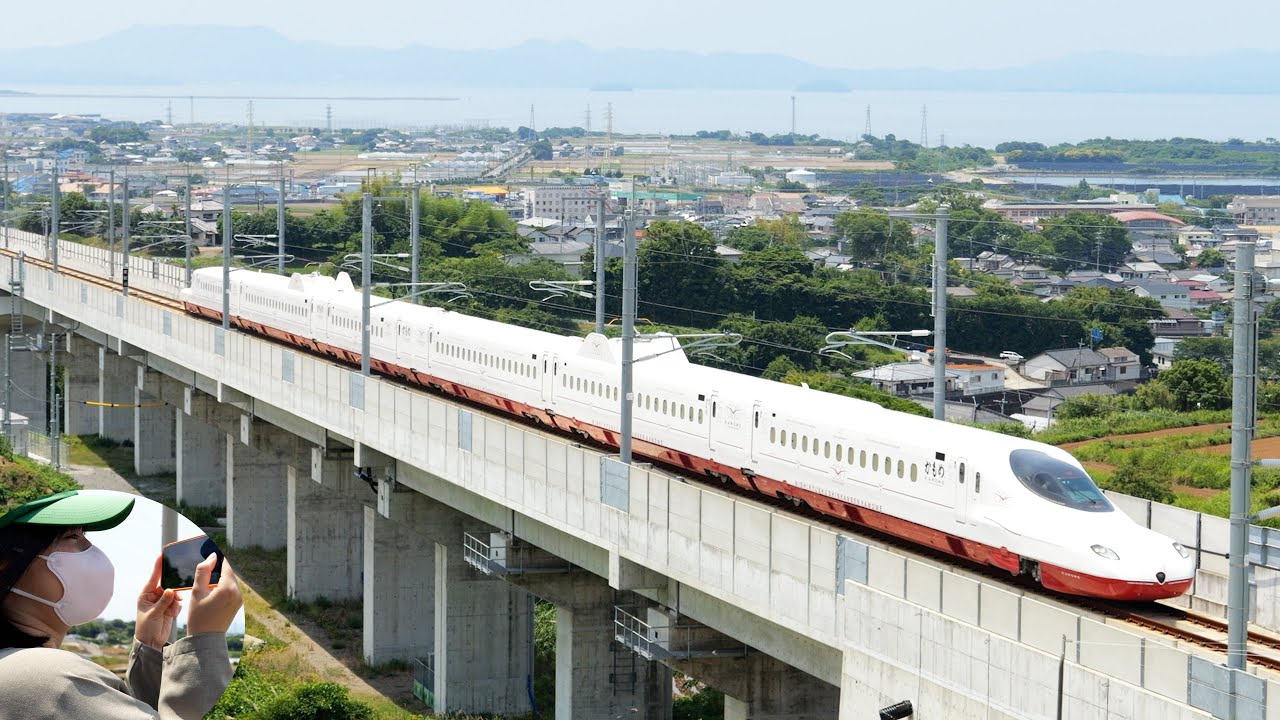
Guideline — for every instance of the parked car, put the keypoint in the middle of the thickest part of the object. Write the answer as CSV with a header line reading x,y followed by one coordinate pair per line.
x,y
1011,356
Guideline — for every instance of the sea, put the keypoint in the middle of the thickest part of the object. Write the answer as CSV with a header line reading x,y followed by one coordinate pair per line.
x,y
952,117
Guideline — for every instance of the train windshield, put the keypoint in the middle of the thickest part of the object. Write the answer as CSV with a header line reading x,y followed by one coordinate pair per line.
x,y
1057,481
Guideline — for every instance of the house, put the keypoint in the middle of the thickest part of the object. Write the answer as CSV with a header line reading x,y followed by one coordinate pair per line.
x,y
1122,364
977,379
1045,405
1255,209
1143,271
1181,323
1167,294
1189,235
903,378
1069,366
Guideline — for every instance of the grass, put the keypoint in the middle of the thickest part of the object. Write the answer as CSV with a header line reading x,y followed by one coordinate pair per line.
x,y
97,451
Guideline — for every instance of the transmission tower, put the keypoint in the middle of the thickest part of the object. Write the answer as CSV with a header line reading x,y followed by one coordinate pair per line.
x,y
793,115
866,129
328,118
924,126
588,124
532,128
608,122
169,114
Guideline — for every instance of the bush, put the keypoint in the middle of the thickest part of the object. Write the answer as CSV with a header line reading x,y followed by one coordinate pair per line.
x,y
317,701
706,704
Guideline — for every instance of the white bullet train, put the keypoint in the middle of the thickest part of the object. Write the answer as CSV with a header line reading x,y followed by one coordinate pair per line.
x,y
1019,505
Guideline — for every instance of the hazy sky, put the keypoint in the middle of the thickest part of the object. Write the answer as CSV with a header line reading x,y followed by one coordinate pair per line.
x,y
838,33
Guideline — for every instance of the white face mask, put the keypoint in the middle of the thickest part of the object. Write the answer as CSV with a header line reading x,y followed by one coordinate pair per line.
x,y
88,581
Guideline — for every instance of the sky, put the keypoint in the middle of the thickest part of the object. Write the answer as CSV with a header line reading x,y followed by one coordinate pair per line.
x,y
931,33
133,546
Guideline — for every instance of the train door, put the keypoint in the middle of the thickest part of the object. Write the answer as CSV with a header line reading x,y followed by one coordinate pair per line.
x,y
757,419
964,481
727,422
550,375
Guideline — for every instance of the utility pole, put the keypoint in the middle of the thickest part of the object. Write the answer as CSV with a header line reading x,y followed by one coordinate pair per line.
x,y
1243,362
628,333
187,226
227,240
111,223
5,199
124,239
280,224
415,240
366,278
940,313
53,401
600,246
55,219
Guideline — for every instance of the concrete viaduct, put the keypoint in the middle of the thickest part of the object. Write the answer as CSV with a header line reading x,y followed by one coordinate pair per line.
x,y
446,522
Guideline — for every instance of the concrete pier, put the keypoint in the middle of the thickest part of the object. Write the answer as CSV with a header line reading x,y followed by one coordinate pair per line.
x,y
80,386
479,629
30,390
596,676
325,534
257,497
154,424
116,379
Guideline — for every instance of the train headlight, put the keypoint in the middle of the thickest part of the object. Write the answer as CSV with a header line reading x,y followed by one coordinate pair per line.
x,y
1181,550
1105,552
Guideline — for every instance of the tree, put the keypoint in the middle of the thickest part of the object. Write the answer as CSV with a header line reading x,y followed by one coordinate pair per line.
x,y
678,270
1080,238
872,235
1198,384
1211,258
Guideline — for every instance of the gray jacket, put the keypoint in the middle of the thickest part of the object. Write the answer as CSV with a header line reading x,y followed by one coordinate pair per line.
x,y
181,682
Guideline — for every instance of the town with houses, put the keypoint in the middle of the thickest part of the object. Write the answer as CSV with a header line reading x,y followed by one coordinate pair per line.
x,y
559,215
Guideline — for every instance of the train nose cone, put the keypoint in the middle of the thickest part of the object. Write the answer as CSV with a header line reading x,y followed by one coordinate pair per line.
x,y
1160,578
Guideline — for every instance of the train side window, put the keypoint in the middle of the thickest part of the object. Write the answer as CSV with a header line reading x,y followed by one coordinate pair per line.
x,y
901,469
862,458
664,407
794,440
681,411
839,453
977,482
699,416
826,449
888,465
804,444
815,447
914,471
875,461
773,435
961,473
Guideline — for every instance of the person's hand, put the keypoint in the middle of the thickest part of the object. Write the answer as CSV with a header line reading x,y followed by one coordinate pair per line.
x,y
213,608
157,607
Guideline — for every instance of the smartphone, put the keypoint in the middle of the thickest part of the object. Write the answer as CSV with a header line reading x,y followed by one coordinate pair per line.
x,y
179,561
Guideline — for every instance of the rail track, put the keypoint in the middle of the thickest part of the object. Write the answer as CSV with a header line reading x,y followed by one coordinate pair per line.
x,y
1179,624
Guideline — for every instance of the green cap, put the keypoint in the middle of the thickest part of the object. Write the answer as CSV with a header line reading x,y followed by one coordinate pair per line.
x,y
71,509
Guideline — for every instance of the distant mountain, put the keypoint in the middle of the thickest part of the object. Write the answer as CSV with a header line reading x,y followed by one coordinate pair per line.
x,y
218,56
